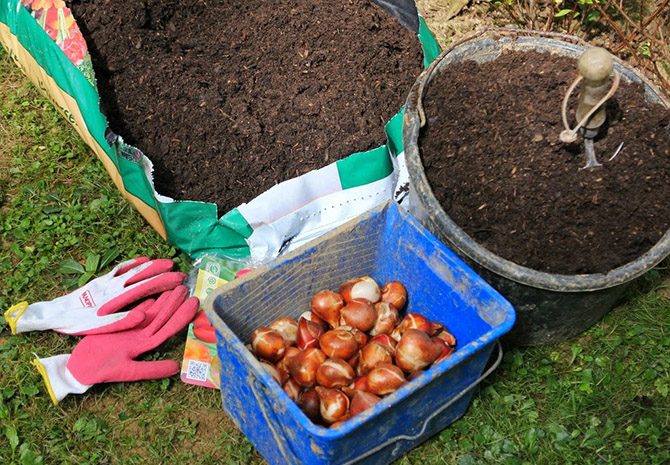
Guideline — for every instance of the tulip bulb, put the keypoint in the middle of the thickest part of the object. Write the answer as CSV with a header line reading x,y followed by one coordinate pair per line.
x,y
360,337
416,350
327,305
385,379
292,389
334,404
394,293
372,355
268,344
334,372
362,401
338,343
287,328
303,366
308,334
387,319
412,321
282,365
447,350
310,403
359,314
361,288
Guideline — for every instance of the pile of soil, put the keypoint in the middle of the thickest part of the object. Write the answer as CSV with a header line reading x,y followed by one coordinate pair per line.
x,y
232,97
494,162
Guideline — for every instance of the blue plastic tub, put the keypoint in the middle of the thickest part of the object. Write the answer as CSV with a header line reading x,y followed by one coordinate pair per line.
x,y
386,244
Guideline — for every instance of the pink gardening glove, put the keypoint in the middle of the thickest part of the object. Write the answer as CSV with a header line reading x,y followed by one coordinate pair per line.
x,y
107,358
94,308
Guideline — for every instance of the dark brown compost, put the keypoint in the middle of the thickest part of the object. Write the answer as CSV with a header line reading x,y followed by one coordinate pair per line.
x,y
494,162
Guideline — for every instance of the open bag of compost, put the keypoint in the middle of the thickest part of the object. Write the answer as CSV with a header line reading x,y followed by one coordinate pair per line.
x,y
248,205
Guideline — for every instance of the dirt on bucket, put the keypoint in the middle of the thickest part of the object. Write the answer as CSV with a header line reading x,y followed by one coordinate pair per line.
x,y
230,98
493,159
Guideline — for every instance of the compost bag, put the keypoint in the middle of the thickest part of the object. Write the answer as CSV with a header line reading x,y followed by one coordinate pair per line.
x,y
44,40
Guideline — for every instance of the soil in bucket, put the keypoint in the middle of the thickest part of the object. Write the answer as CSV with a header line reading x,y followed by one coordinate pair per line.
x,y
493,159
230,98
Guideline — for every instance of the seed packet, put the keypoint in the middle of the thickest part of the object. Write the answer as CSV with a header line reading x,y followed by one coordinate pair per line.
x,y
200,364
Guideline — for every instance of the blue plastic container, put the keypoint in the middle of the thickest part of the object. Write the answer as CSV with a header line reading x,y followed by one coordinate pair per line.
x,y
386,244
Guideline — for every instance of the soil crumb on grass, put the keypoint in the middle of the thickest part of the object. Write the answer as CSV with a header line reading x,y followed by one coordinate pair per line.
x,y
494,162
230,98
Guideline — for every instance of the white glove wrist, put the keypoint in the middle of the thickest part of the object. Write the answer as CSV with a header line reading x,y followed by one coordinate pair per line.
x,y
58,379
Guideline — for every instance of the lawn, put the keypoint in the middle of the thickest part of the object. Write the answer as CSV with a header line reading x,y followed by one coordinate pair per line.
x,y
599,398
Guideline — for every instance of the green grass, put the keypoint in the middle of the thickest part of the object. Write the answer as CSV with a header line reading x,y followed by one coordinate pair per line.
x,y
600,398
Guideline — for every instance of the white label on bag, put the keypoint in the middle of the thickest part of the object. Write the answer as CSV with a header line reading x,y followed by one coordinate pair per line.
x,y
316,218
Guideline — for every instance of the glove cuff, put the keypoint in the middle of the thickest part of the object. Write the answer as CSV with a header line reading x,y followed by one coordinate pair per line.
x,y
38,316
58,379
13,314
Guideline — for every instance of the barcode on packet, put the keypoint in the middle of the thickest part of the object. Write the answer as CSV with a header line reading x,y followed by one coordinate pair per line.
x,y
197,371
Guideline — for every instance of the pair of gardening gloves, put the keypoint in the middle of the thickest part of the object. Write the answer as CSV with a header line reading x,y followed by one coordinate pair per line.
x,y
113,336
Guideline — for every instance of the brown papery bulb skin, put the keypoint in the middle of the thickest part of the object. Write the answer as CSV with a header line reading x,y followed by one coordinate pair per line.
x,y
310,403
292,389
303,366
385,379
338,343
359,314
394,293
327,305
287,327
362,401
372,355
364,288
308,334
334,372
268,344
416,350
334,404
387,319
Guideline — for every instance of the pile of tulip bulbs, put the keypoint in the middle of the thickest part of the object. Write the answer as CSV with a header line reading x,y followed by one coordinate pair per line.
x,y
351,349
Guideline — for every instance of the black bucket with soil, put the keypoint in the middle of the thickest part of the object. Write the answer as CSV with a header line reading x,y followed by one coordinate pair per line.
x,y
490,177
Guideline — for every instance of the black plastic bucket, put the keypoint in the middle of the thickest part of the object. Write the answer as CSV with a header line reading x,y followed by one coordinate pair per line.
x,y
550,307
